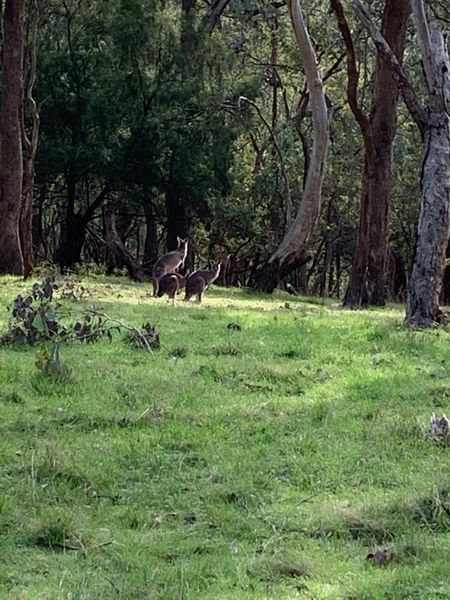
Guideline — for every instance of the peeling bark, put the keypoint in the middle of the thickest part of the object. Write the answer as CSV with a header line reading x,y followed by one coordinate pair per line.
x,y
118,248
434,220
367,278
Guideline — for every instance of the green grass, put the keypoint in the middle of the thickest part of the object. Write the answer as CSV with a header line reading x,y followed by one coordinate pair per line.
x,y
260,463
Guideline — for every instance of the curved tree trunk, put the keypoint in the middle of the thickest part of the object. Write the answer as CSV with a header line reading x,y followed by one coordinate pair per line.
x,y
367,278
286,257
11,169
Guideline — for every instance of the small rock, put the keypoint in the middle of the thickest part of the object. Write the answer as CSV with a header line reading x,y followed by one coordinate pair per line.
x,y
190,519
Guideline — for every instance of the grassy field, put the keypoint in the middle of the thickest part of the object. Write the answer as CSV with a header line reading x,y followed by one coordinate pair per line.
x,y
263,452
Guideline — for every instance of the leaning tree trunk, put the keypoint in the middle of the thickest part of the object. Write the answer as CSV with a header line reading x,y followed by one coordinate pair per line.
x,y
118,248
434,221
286,257
367,279
10,139
214,13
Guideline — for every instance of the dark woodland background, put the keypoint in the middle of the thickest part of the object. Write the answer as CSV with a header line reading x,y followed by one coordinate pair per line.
x,y
143,120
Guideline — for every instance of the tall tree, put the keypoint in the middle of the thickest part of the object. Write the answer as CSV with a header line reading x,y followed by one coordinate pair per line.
x,y
367,278
11,169
289,253
29,141
434,221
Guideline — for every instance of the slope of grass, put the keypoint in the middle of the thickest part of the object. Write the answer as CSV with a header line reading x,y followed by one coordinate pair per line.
x,y
262,453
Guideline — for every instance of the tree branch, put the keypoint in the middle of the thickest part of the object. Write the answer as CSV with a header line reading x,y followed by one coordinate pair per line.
x,y
407,91
433,78
87,217
214,13
352,79
280,156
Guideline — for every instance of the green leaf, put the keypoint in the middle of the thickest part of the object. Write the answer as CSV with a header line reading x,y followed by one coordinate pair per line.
x,y
39,323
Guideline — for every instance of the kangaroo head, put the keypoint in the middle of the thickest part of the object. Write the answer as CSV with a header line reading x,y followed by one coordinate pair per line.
x,y
182,244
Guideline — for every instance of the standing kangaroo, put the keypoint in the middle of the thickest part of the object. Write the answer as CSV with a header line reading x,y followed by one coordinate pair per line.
x,y
198,281
168,263
171,284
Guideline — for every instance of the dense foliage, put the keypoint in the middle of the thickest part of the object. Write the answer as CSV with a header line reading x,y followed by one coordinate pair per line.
x,y
205,134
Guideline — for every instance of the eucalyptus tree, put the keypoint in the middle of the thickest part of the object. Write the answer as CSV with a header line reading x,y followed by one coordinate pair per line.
x,y
30,137
434,221
292,245
367,284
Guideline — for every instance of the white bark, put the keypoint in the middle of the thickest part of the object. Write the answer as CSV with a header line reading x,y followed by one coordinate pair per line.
x,y
301,228
434,221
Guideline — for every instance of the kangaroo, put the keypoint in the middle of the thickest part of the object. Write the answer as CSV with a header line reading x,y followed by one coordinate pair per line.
x,y
168,263
171,284
198,281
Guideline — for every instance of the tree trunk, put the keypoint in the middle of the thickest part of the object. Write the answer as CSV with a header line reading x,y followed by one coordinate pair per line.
x,y
37,224
26,217
118,248
73,229
434,220
286,257
29,145
151,237
71,239
367,278
433,230
73,236
178,225
11,170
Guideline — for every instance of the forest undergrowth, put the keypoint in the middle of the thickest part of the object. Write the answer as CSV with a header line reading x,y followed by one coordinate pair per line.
x,y
273,447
